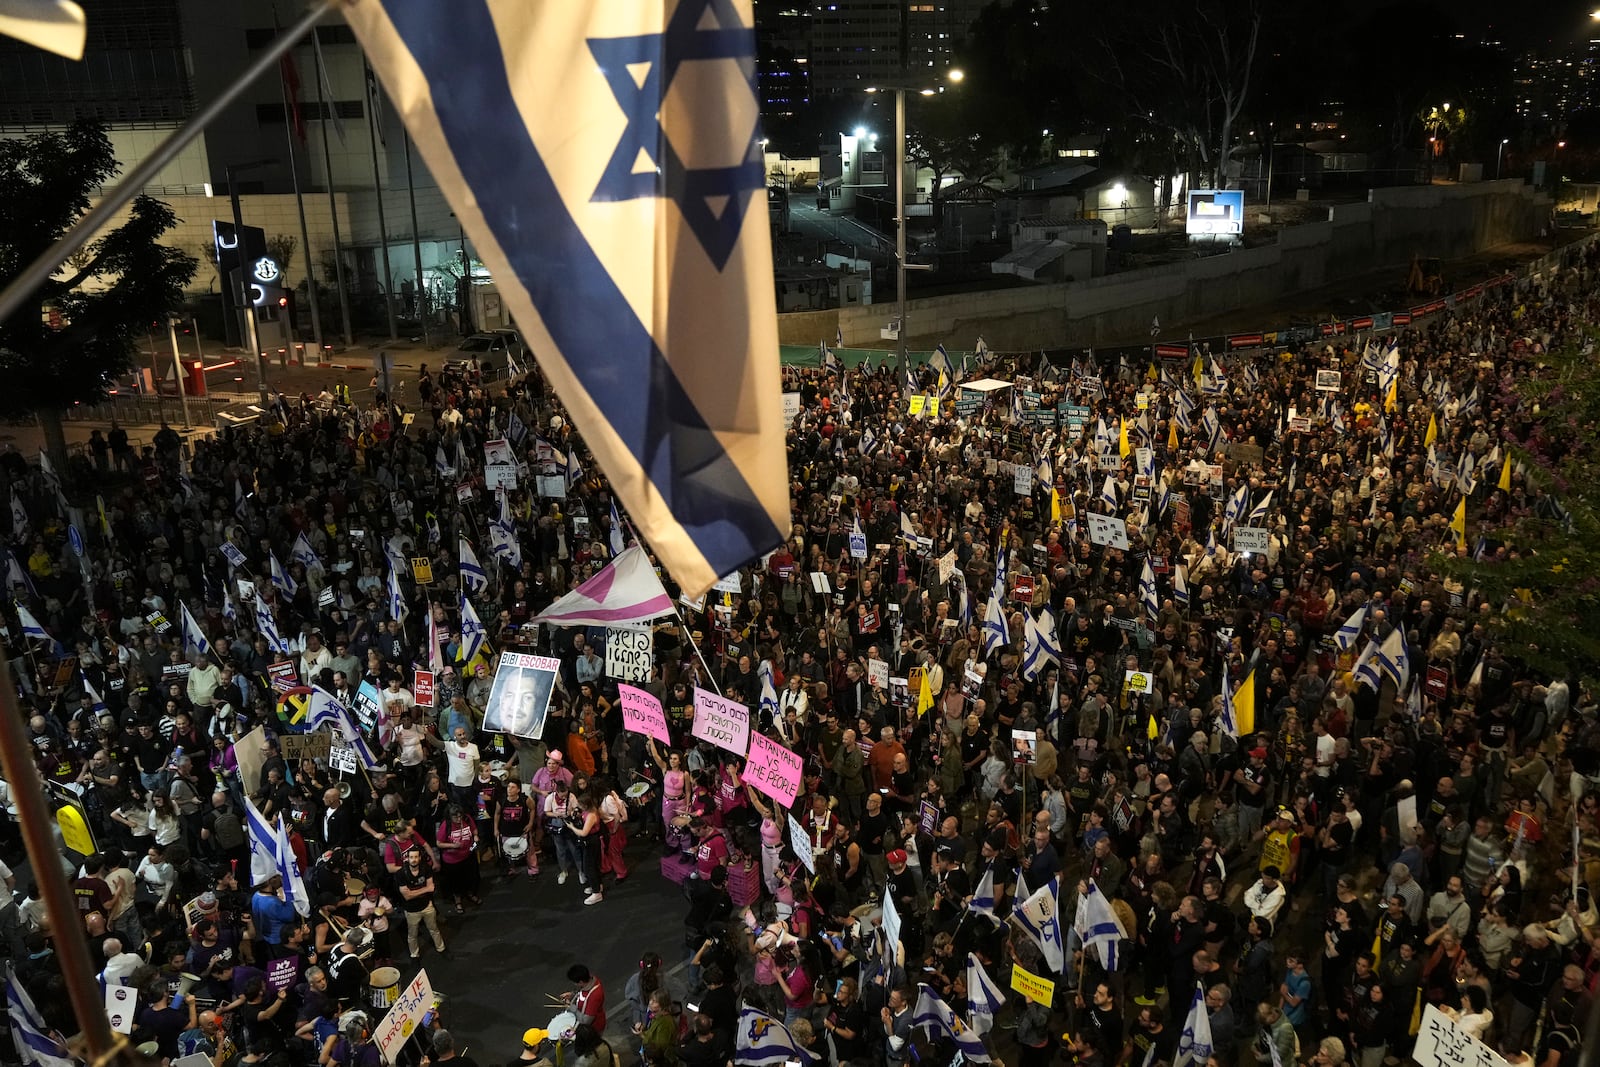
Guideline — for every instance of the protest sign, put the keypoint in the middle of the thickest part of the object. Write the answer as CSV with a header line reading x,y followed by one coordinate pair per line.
x,y
1039,990
422,689
1250,539
801,843
725,723
773,769
642,714
282,675
1442,1042
296,747
520,697
791,408
1107,530
878,673
1022,479
404,1016
629,653
422,570
283,972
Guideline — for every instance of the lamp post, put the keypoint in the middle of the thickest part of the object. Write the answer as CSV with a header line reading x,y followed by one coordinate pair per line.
x,y
955,75
1499,154
244,278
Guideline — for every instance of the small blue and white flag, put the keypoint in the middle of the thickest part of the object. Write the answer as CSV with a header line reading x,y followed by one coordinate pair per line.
x,y
397,600
574,468
1040,918
1350,632
1180,584
1394,658
267,626
326,710
995,633
263,838
1148,598
932,1012
17,575
473,635
984,999
473,577
30,625
1258,514
1368,667
281,579
97,703
561,133
194,637
618,541
1097,926
303,554
37,1044
1194,1040
441,463
762,1041
982,900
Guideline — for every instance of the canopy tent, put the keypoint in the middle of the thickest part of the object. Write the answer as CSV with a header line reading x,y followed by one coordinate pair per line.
x,y
984,385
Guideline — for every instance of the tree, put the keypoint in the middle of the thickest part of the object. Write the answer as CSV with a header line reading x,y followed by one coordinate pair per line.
x,y
128,282
1186,70
1540,564
944,136
281,247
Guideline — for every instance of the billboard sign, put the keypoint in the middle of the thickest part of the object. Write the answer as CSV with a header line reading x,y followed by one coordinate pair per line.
x,y
1215,212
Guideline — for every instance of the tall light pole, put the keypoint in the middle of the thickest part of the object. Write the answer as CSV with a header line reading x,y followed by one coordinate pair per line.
x,y
1498,155
955,76
244,275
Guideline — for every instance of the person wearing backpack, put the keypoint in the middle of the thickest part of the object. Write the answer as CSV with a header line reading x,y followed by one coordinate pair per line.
x,y
222,835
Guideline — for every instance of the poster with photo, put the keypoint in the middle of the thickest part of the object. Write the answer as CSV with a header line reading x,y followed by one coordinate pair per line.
x,y
1024,746
519,700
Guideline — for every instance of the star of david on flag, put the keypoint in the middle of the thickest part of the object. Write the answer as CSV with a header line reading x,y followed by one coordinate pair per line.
x,y
604,159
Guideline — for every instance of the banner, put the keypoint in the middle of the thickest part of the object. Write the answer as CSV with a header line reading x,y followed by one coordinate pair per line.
x,y
725,723
520,698
629,653
1107,530
1037,989
773,769
404,1016
1442,1042
642,714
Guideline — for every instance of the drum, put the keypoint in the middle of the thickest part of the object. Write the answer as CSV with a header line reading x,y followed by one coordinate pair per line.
x,y
497,769
637,790
514,848
562,1026
353,886
383,989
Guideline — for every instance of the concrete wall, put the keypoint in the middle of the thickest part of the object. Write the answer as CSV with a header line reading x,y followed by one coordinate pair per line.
x,y
1385,231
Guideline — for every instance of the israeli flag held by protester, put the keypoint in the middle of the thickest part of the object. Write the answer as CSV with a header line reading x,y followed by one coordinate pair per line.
x,y
995,633
1394,657
397,601
984,999
97,703
1351,630
294,886
1228,723
769,694
1258,514
263,843
325,710
1180,584
762,1040
473,635
907,531
617,541
194,638
931,1011
561,133
17,575
268,627
37,1044
1367,666
30,625
281,579
574,468
982,900
305,555
1147,592
473,577
1194,1040
1097,926
1040,918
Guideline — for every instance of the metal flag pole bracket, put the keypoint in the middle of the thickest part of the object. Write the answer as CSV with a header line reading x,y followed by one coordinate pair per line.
x,y
42,269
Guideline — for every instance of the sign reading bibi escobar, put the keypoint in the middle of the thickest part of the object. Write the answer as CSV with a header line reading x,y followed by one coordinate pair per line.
x,y
520,697
725,723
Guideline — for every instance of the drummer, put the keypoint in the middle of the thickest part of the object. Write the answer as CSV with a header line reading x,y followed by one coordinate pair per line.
x,y
513,824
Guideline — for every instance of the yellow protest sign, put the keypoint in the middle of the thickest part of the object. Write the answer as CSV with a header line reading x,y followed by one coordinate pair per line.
x,y
933,407
1039,990
75,830
422,570
915,404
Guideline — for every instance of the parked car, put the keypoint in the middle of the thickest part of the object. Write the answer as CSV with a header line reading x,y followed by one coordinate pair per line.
x,y
494,351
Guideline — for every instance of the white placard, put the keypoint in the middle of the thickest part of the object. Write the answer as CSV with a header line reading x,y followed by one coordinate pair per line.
x,y
341,757
791,408
1329,381
552,485
1021,479
947,566
404,1016
878,673
629,653
498,451
858,544
1107,530
500,476
800,841
1251,539
121,1004
1443,1043
819,583
1138,682
729,584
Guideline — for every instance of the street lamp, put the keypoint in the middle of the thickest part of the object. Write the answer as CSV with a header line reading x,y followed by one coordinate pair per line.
x,y
1498,155
244,278
954,75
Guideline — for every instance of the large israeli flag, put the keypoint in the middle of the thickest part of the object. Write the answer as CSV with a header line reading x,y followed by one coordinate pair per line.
x,y
603,157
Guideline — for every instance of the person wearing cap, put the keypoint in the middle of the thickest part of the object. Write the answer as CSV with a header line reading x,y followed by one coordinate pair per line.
x,y
1280,845
1266,897
533,1048
543,785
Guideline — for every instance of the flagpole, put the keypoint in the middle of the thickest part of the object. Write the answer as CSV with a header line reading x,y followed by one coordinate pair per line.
x,y
34,817
416,240
41,269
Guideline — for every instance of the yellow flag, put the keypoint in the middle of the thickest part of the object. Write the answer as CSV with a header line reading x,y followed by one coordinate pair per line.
x,y
1151,731
1172,434
1392,400
1459,523
924,695
105,523
1123,448
1505,474
1055,506
1433,431
1244,706
1199,371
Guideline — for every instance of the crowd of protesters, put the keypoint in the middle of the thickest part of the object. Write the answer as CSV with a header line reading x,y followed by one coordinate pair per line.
x,y
1377,838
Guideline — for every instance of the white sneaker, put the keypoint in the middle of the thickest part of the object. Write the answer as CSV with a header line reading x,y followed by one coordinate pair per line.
x,y
593,898
563,879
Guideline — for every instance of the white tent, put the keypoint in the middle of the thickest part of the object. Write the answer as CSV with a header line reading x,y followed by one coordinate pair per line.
x,y
984,385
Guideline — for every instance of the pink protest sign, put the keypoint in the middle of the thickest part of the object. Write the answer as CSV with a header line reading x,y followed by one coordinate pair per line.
x,y
642,714
725,723
773,769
